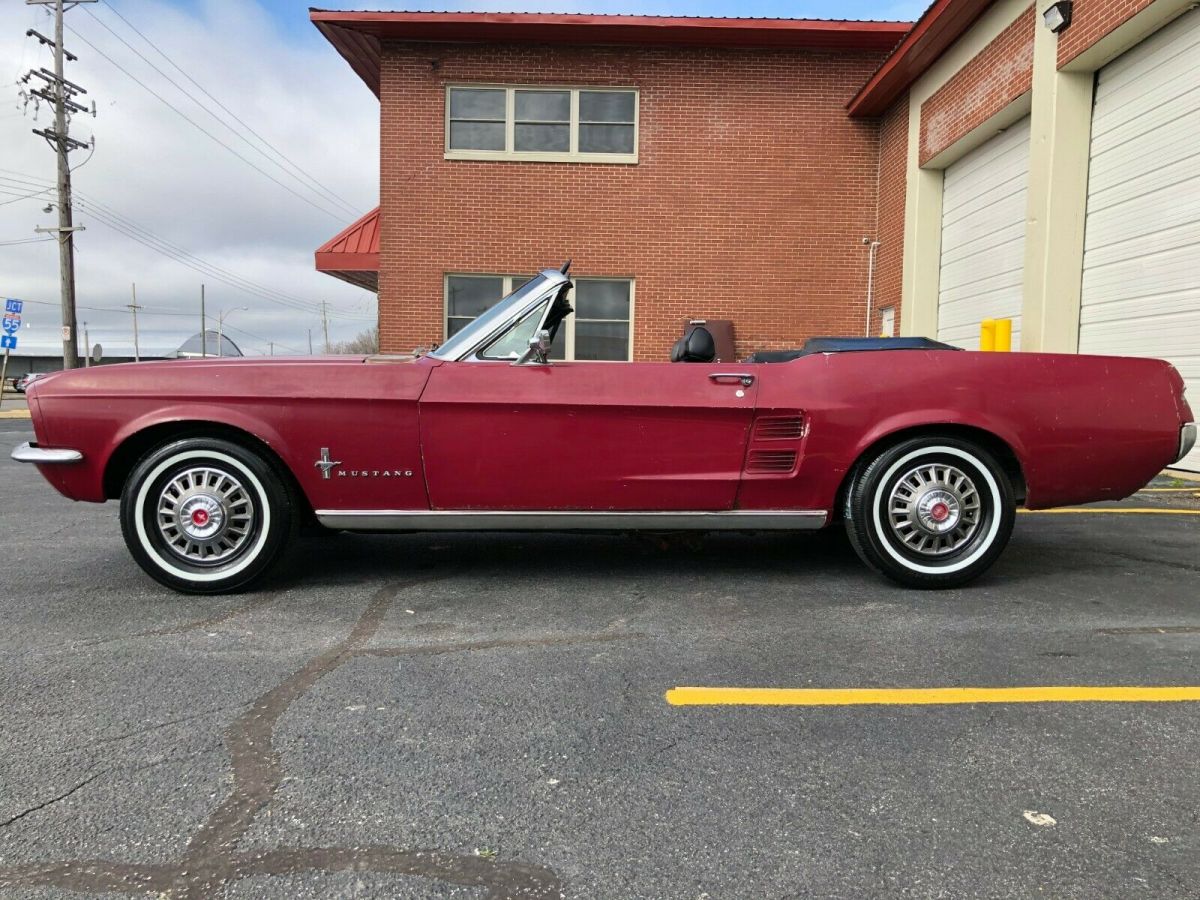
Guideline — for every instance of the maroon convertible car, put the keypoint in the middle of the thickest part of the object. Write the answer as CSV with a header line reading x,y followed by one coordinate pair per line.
x,y
922,450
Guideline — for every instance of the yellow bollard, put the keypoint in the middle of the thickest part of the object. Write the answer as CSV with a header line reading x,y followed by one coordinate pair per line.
x,y
1003,337
987,335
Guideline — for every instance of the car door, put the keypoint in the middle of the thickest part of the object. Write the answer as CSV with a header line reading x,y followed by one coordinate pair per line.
x,y
586,435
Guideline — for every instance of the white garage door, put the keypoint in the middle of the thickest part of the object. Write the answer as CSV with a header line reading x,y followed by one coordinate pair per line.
x,y
983,238
1141,264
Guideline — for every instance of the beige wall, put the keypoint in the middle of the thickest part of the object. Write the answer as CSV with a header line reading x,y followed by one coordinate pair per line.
x,y
1060,109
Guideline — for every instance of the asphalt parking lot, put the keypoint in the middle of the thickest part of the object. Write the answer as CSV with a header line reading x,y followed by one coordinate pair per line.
x,y
482,716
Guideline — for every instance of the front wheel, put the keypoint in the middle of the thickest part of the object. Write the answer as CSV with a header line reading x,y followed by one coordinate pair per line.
x,y
930,512
206,516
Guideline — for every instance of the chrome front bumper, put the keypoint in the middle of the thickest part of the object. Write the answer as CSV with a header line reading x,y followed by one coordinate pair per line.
x,y
1187,440
32,453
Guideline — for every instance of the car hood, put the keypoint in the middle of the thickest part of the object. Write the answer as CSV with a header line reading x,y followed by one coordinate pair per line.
x,y
214,373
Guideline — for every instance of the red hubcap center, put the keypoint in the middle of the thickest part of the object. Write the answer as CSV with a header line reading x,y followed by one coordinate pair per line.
x,y
940,512
200,517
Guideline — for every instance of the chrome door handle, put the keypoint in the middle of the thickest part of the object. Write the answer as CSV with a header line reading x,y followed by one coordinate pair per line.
x,y
745,378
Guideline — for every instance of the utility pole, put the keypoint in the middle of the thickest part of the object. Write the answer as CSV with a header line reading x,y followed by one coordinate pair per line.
x,y
221,326
325,326
310,342
134,308
62,93
87,348
203,327
272,343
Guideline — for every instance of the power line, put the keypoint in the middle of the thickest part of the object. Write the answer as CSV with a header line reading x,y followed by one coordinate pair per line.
x,y
312,184
259,337
25,196
107,216
245,284
350,207
24,240
144,311
333,215
110,309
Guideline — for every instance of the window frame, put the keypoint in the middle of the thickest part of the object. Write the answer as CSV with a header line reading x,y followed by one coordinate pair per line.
x,y
573,155
510,283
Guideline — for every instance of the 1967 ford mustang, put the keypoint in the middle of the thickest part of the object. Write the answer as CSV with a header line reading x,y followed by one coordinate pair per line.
x,y
922,450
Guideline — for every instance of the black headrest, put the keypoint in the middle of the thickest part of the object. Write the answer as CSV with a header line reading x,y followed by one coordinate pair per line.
x,y
697,346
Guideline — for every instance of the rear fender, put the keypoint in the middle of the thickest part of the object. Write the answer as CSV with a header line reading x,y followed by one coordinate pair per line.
x,y
930,419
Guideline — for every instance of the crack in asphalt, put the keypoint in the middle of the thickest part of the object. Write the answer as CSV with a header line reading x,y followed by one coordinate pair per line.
x,y
497,643
63,796
212,859
265,599
157,726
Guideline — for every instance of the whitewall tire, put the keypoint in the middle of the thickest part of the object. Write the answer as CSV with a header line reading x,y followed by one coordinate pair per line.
x,y
206,516
930,512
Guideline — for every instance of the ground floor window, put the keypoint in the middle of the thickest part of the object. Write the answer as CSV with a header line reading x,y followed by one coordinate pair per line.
x,y
600,329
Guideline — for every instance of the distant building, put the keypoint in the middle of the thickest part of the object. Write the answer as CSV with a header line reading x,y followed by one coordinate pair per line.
x,y
212,344
23,364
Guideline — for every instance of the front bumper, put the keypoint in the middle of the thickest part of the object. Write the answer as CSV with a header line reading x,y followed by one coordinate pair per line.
x,y
1187,440
32,453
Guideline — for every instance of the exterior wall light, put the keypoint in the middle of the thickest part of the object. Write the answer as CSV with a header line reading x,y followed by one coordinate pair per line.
x,y
1058,15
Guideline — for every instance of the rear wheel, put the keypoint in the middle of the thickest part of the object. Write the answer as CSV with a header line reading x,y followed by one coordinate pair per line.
x,y
206,516
930,512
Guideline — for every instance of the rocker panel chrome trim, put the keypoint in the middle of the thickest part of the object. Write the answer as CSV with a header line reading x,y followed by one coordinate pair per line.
x,y
568,520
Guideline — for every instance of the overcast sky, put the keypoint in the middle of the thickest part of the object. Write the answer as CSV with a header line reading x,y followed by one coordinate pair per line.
x,y
160,177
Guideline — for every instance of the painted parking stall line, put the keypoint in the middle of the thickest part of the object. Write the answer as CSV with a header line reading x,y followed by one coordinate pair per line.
x,y
732,696
1116,510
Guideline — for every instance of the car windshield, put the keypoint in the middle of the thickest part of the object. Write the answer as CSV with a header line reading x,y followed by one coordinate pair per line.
x,y
488,321
515,341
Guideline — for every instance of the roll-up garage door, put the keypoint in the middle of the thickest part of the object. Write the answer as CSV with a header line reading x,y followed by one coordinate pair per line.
x,y
983,238
1141,263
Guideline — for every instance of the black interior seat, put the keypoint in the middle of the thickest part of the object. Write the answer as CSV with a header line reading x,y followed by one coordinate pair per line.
x,y
696,346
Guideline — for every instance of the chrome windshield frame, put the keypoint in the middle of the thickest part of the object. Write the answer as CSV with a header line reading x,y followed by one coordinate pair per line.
x,y
486,329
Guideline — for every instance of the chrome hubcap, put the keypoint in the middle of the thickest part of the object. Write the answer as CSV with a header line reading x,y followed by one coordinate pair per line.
x,y
934,509
205,515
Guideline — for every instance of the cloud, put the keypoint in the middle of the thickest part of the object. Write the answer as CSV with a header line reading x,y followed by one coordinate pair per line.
x,y
156,169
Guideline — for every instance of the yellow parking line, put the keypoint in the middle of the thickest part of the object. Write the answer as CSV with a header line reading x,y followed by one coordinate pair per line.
x,y
1126,510
709,696
14,414
1186,490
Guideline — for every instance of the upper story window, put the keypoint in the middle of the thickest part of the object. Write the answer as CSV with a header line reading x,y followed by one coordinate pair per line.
x,y
546,124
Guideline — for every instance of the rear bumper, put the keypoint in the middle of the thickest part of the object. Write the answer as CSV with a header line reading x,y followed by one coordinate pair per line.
x,y
32,453
1187,440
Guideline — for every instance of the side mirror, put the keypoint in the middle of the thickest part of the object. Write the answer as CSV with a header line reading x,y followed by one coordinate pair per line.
x,y
539,350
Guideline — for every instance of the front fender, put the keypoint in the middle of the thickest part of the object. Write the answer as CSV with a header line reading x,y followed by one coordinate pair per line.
x,y
99,432
201,413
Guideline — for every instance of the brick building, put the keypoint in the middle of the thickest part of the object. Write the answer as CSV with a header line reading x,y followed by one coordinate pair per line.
x,y
1038,161
690,167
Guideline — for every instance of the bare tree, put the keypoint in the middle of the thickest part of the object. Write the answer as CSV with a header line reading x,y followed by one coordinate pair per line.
x,y
363,342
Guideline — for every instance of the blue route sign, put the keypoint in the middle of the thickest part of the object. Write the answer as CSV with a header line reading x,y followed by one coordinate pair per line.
x,y
11,324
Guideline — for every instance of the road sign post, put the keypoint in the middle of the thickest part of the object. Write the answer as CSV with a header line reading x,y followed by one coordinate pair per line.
x,y
3,375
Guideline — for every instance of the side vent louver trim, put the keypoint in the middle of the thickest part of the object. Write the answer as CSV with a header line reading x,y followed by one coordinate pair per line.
x,y
771,462
777,428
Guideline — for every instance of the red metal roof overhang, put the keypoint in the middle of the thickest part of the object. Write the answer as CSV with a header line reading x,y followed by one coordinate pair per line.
x,y
940,26
358,35
353,255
